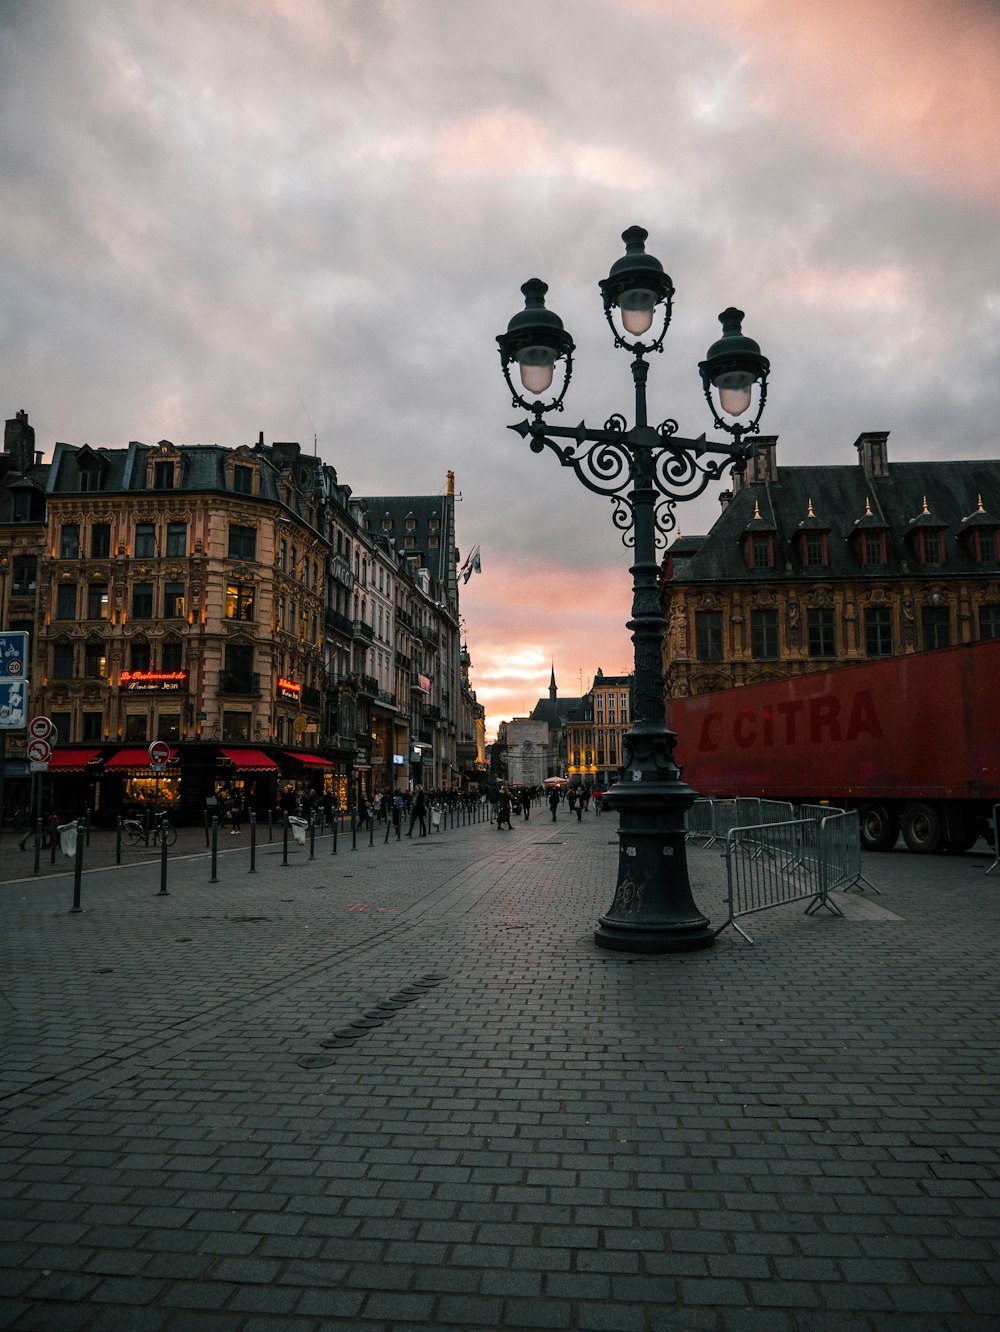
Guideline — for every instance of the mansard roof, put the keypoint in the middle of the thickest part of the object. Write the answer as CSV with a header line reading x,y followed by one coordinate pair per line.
x,y
848,499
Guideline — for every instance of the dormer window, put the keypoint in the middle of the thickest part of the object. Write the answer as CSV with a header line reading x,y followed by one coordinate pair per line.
x,y
243,479
874,554
931,547
813,545
985,545
978,534
163,476
758,541
90,479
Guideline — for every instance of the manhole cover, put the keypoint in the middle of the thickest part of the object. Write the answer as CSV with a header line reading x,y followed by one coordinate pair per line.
x,y
347,1033
364,1023
338,1043
314,1061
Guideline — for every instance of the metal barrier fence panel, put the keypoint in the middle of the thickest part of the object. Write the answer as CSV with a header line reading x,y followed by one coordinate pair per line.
x,y
840,840
773,864
699,820
996,840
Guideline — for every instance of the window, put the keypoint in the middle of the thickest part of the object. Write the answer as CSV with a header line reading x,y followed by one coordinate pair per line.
x,y
708,635
97,601
163,476
236,726
761,550
984,545
66,601
935,621
878,631
174,602
242,542
95,661
22,506
172,656
931,547
100,541
62,661
239,601
283,555
243,480
25,574
763,634
239,665
93,726
821,633
69,541
814,550
63,724
142,601
873,550
90,478
170,726
139,657
135,726
145,539
989,621
177,539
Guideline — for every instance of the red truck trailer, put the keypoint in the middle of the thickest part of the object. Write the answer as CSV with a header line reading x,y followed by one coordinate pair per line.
x,y
913,742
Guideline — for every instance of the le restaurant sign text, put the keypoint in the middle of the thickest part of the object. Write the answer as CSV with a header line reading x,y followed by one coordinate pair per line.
x,y
153,682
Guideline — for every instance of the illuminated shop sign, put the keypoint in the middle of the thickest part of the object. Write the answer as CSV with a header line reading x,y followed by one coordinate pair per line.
x,y
424,683
290,689
153,682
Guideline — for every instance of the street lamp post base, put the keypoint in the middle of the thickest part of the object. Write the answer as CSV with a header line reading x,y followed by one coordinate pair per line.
x,y
653,909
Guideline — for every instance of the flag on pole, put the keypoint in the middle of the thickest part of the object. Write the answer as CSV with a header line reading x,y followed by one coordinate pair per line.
x,y
472,564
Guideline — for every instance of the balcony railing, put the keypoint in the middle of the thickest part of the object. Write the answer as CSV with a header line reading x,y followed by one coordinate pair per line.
x,y
334,620
432,712
367,684
364,630
231,682
386,696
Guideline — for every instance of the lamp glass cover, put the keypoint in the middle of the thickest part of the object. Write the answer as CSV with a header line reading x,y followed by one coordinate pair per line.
x,y
536,376
735,400
637,308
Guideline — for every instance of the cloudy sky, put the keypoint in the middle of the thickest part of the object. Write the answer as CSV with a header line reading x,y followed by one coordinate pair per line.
x,y
312,217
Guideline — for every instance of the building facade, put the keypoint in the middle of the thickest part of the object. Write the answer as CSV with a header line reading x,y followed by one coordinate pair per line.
x,y
233,602
594,739
813,567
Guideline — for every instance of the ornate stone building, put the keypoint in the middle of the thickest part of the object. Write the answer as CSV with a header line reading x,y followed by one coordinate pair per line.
x,y
812,567
594,741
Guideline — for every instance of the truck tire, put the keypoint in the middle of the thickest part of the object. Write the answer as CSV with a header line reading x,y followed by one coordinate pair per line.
x,y
921,828
879,828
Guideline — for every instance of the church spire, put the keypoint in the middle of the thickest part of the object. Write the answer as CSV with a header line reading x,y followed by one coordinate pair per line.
x,y
552,683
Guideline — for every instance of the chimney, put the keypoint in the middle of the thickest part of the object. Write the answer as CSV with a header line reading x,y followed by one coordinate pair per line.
x,y
873,452
19,442
763,465
725,499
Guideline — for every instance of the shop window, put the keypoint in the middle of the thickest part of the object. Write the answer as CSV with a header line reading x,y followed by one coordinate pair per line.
x,y
145,540
142,601
242,542
69,541
163,476
139,656
989,621
239,601
821,633
764,635
63,723
66,601
176,540
878,631
136,726
100,541
174,601
236,726
97,601
935,623
62,661
93,726
25,575
243,480
95,661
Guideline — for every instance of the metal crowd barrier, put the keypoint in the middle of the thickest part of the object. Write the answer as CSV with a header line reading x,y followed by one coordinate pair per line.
x,y
996,839
796,860
712,820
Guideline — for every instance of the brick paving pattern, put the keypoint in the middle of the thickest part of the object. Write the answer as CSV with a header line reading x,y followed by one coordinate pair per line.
x,y
400,1087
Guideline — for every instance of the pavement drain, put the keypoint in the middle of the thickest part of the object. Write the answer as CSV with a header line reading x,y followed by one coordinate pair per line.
x,y
344,1037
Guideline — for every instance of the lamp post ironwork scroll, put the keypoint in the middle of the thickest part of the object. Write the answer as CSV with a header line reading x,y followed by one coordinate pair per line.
x,y
646,471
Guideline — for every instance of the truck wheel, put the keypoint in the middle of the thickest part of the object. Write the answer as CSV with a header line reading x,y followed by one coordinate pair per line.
x,y
879,828
921,828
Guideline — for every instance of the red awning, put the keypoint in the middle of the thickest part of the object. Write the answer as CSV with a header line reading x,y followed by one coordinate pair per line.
x,y
71,760
250,760
134,758
313,760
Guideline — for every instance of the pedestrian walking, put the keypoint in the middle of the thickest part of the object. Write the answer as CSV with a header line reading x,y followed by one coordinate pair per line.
x,y
418,810
554,801
503,810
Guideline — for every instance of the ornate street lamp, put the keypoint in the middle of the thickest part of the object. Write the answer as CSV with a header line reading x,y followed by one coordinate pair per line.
x,y
646,471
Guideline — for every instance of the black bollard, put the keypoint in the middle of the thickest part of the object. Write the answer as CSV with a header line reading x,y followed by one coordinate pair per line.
x,y
118,840
312,836
270,825
333,828
371,830
87,817
39,835
164,830
53,837
354,830
76,908
215,849
253,842
284,840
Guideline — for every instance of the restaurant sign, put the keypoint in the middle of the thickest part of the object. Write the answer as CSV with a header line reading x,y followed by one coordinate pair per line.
x,y
153,682
289,689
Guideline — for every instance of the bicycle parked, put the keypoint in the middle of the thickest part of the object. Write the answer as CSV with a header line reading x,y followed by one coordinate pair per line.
x,y
133,831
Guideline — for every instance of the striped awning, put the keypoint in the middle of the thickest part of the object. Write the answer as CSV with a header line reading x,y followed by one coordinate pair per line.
x,y
311,760
134,758
250,760
71,760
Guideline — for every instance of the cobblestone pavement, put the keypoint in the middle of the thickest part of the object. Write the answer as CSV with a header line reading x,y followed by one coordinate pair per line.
x,y
400,1087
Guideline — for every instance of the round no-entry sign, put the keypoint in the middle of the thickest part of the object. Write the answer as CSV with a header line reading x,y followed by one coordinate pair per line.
x,y
159,751
39,751
40,728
